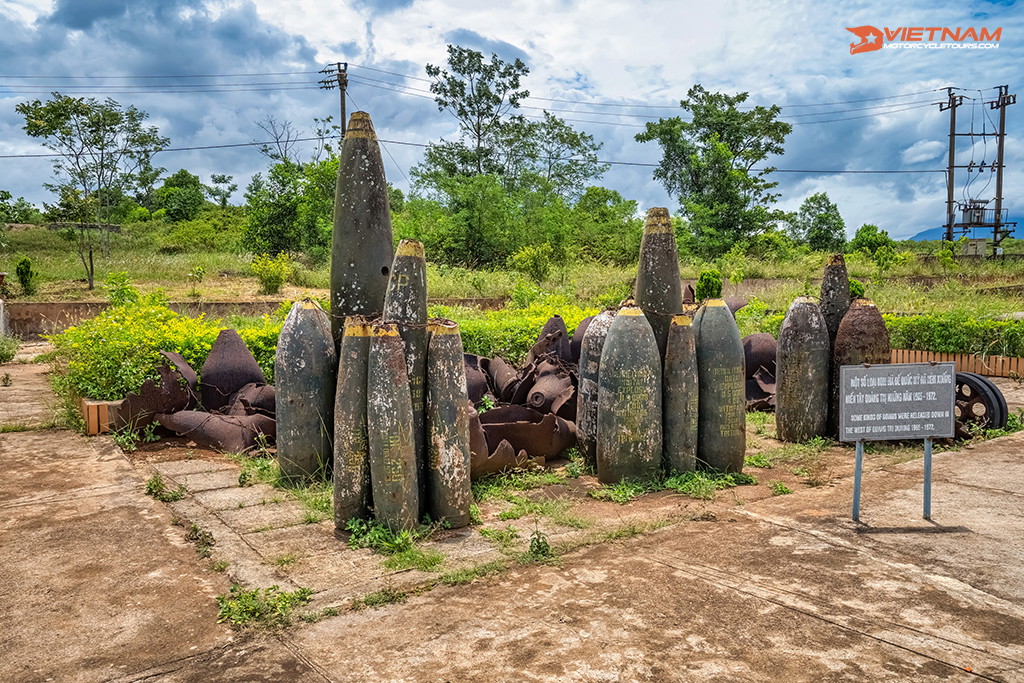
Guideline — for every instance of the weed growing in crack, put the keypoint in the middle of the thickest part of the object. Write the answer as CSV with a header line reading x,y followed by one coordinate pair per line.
x,y
156,487
385,596
202,538
399,546
260,608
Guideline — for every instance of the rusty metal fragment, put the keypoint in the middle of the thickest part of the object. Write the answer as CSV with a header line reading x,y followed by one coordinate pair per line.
x,y
179,363
476,378
168,396
555,329
759,351
735,303
227,433
544,436
229,367
252,399
576,343
504,378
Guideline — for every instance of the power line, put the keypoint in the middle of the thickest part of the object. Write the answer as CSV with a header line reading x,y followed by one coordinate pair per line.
x,y
240,75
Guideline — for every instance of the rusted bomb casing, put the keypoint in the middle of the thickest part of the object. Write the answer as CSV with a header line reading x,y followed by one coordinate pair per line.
x,y
406,305
361,252
802,373
629,439
721,424
835,300
352,493
680,397
304,372
862,338
448,482
658,290
394,473
586,403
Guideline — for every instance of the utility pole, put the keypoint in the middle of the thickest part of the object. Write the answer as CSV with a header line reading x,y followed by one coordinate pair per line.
x,y
1004,100
951,104
337,77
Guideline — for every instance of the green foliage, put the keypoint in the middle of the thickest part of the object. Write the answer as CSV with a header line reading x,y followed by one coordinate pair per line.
x,y
757,460
778,488
156,487
260,608
709,285
956,333
870,238
8,348
26,277
504,538
272,271
292,208
856,289
540,549
385,596
18,211
702,485
202,539
400,546
818,224
221,188
500,486
180,196
534,261
708,161
212,229
623,491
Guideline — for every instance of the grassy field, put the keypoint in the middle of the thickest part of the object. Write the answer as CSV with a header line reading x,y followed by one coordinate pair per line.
x,y
916,286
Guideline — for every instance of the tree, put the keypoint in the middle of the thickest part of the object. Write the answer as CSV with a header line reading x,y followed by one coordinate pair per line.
x,y
181,196
221,189
106,150
19,210
870,238
708,163
818,224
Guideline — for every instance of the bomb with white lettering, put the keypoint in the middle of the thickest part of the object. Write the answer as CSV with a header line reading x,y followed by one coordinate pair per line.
x,y
722,404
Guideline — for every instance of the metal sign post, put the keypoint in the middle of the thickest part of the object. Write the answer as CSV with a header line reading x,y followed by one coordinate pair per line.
x,y
896,402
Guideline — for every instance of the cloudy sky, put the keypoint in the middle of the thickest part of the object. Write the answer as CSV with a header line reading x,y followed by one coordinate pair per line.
x,y
207,71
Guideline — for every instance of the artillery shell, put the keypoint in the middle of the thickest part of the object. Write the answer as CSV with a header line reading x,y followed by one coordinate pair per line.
x,y
352,497
862,338
406,305
304,371
680,396
802,373
629,404
362,245
389,427
658,291
586,405
448,484
721,424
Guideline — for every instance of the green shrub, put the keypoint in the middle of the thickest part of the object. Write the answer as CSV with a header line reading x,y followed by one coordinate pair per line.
x,y
856,289
8,347
271,271
956,333
709,285
268,608
533,260
26,276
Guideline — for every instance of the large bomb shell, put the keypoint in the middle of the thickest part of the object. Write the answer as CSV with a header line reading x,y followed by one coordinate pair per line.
x,y
721,425
835,300
862,338
304,372
352,497
658,291
586,405
406,305
802,373
389,427
629,401
362,248
448,484
680,396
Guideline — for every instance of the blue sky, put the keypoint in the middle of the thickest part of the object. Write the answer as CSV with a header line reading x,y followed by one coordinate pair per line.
x,y
605,66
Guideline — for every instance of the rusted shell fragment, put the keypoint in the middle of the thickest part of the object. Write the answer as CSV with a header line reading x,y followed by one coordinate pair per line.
x,y
476,378
802,373
544,436
735,303
556,326
546,390
689,297
448,482
503,378
862,338
361,253
549,345
658,290
680,396
141,408
576,342
586,402
629,401
253,399
406,304
305,372
229,367
179,363
722,414
227,433
565,404
351,475
759,352
393,468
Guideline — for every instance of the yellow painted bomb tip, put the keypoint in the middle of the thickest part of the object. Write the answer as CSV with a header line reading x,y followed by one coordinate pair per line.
x,y
658,222
384,330
715,303
865,303
443,327
356,329
683,320
412,248
360,126
632,311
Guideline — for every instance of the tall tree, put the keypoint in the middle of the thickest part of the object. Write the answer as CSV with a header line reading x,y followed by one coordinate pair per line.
x,y
221,188
818,224
708,163
106,149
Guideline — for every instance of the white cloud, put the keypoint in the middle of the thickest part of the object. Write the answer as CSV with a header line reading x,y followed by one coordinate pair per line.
x,y
923,150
